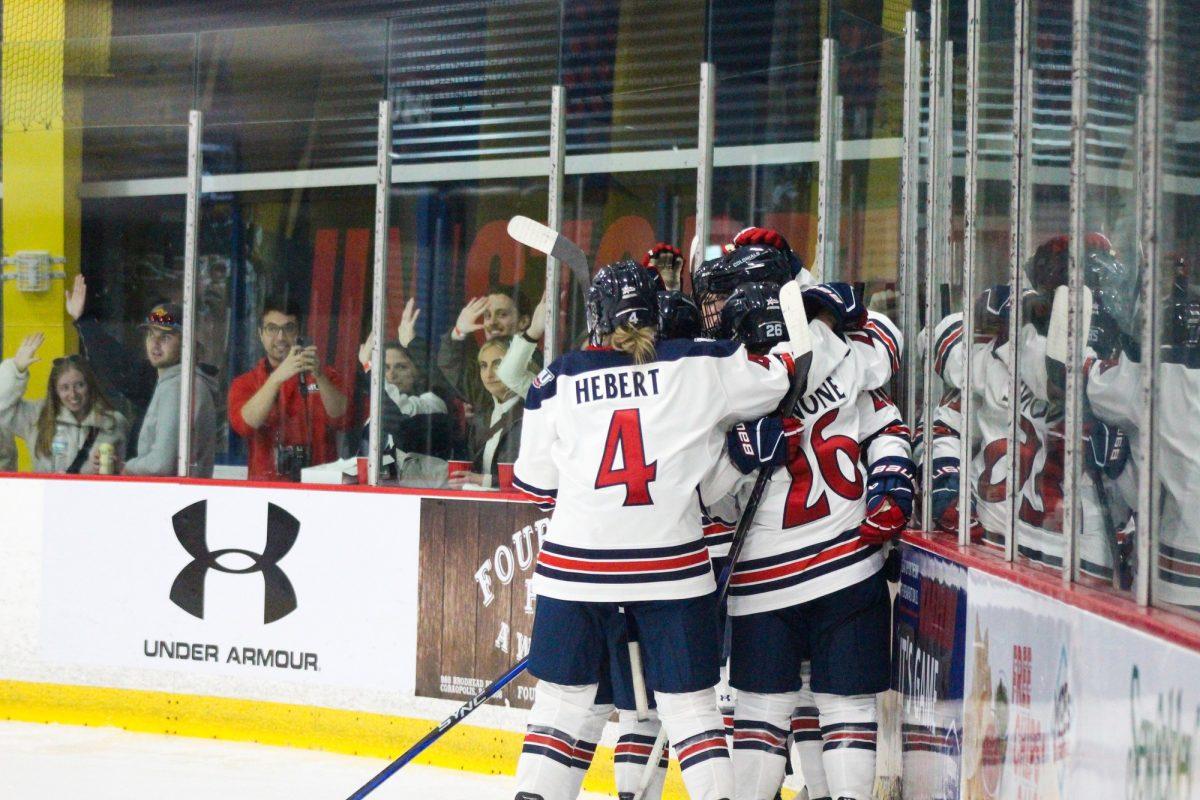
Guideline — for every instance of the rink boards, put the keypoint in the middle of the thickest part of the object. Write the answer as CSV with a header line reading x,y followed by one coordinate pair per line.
x,y
346,620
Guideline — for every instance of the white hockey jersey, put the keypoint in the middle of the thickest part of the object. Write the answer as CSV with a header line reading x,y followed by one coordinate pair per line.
x,y
1039,525
803,542
1114,391
621,449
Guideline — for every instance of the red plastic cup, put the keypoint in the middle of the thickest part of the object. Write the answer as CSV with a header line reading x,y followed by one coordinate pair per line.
x,y
455,467
362,470
506,477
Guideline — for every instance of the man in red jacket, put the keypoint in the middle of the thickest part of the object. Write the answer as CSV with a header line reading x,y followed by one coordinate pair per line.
x,y
289,406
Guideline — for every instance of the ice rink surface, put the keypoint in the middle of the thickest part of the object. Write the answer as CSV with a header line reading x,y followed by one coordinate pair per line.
x,y
63,761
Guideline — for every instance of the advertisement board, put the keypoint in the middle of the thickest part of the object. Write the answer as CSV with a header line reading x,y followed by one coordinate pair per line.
x,y
476,607
1063,703
316,587
930,633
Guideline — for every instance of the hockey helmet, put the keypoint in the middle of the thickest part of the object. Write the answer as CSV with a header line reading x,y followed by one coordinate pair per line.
x,y
1047,269
624,293
711,284
992,309
752,316
678,316
760,263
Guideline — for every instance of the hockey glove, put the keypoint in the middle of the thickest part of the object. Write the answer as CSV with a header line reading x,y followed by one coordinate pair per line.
x,y
944,493
659,250
763,443
1108,449
889,499
839,299
769,237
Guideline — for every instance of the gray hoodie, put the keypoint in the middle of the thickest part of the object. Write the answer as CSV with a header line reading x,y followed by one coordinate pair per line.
x,y
158,441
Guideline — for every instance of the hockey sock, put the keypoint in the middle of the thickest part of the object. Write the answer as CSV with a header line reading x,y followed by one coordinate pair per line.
x,y
807,746
848,725
556,753
697,732
760,730
585,746
634,743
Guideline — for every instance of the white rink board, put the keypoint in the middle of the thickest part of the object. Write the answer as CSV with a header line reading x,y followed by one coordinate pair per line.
x,y
111,556
1090,708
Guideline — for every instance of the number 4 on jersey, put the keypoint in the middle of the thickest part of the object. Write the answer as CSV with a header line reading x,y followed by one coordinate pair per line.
x,y
625,435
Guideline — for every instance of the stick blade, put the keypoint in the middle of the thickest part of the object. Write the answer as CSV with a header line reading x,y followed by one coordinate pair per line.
x,y
532,233
545,239
791,303
1060,316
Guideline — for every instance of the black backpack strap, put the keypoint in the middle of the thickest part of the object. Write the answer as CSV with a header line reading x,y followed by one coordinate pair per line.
x,y
83,453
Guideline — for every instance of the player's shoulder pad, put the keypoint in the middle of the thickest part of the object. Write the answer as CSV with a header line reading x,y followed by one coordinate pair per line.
x,y
674,349
947,336
544,386
884,333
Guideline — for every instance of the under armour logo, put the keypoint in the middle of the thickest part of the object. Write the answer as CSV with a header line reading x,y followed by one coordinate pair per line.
x,y
191,529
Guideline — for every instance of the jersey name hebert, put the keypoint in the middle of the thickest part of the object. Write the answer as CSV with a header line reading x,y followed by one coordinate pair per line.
x,y
616,385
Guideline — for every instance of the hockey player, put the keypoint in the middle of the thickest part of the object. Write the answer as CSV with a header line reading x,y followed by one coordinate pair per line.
x,y
609,435
667,260
809,583
989,426
678,318
1039,524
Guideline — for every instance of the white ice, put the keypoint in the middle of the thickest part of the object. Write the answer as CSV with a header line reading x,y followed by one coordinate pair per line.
x,y
65,762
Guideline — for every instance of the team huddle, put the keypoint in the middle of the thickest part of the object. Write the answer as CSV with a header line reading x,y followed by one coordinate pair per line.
x,y
646,444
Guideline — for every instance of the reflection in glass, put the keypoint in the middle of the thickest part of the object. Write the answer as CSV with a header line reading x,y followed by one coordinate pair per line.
x,y
990,351
1175,559
1040,430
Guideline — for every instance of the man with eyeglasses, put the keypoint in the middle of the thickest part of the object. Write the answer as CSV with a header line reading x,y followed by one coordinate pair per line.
x,y
289,406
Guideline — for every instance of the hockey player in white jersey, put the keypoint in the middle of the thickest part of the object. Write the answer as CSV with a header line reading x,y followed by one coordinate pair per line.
x,y
1039,523
763,255
678,318
610,435
988,426
809,583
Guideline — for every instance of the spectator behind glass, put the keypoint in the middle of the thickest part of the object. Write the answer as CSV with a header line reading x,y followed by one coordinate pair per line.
x,y
70,423
158,439
417,427
126,377
289,407
497,314
495,435
523,359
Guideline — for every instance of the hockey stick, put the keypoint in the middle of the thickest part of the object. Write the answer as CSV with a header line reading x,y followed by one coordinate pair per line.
x,y
445,725
791,302
546,240
1056,369
641,698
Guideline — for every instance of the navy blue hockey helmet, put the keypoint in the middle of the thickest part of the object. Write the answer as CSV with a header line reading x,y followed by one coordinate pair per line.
x,y
758,263
678,316
752,316
624,293
714,280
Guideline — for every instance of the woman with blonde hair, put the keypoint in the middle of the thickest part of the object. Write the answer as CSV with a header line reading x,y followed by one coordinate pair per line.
x,y
74,418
